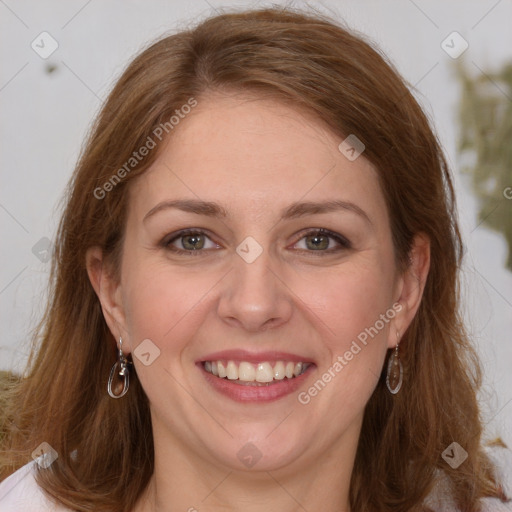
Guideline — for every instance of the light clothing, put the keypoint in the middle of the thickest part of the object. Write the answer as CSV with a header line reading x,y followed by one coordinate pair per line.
x,y
20,492
502,459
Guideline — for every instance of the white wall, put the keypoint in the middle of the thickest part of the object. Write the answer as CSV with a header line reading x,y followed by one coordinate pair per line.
x,y
45,116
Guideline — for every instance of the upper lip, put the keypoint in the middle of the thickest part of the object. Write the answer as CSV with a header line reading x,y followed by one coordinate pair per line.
x,y
254,357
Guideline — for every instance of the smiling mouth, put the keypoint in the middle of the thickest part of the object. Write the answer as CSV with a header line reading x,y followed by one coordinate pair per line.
x,y
261,374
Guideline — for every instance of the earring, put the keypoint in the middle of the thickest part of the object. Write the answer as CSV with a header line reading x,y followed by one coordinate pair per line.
x,y
124,372
395,373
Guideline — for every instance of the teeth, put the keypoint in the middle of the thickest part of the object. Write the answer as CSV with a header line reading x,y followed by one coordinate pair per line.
x,y
279,371
248,372
221,369
264,373
232,371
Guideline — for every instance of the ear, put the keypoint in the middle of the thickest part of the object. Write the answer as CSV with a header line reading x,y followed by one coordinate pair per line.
x,y
411,285
108,291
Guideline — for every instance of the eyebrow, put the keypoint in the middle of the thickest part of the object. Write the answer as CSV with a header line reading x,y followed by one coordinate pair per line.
x,y
293,211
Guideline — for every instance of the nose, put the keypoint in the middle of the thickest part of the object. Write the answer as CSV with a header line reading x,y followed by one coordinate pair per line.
x,y
255,296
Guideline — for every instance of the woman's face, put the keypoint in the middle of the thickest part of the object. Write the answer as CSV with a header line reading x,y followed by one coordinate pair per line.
x,y
260,286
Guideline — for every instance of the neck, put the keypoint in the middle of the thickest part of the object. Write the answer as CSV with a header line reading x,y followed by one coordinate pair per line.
x,y
184,480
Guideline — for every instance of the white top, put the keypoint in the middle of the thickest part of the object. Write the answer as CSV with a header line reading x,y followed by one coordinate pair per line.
x,y
21,493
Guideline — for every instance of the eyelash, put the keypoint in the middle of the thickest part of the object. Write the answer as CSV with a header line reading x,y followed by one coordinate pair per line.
x,y
345,244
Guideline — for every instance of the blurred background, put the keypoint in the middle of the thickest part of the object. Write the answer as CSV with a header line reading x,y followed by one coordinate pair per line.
x,y
60,59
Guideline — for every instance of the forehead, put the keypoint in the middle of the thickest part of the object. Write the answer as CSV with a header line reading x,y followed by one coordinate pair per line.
x,y
255,155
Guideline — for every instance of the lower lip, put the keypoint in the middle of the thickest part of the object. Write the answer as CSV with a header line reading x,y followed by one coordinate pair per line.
x,y
246,393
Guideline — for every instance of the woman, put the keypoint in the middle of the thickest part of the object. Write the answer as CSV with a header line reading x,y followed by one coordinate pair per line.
x,y
255,301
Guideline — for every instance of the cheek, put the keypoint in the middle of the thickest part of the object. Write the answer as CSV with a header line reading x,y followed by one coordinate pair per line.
x,y
354,306
348,300
165,304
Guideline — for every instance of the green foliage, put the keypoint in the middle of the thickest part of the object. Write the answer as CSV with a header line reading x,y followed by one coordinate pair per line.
x,y
6,380
486,137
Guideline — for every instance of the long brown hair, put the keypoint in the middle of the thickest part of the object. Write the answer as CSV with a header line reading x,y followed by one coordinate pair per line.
x,y
310,62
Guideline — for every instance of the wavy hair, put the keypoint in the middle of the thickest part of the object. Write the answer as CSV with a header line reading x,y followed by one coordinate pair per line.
x,y
307,60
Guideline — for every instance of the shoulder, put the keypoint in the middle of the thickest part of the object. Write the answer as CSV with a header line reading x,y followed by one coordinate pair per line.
x,y
440,501
20,493
502,459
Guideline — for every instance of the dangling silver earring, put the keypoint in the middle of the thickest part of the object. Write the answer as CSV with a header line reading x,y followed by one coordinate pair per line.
x,y
395,373
124,372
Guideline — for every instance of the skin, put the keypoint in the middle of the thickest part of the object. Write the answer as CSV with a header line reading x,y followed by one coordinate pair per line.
x,y
255,157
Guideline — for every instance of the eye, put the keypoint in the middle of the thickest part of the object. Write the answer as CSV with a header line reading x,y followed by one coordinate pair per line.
x,y
190,241
324,241
195,242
